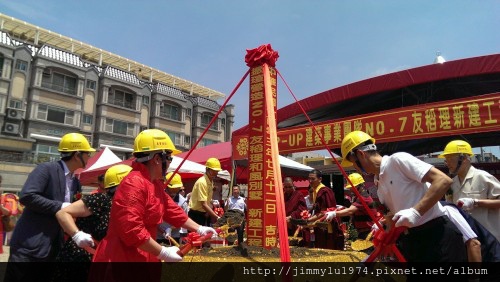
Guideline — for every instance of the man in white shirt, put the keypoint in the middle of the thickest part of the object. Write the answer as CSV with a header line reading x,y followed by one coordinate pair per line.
x,y
431,237
477,191
236,202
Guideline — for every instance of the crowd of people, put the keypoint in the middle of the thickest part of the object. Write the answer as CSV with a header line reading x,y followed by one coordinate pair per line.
x,y
140,214
52,197
410,195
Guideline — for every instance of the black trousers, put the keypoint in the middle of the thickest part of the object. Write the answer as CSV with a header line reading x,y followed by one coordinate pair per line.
x,y
436,241
26,268
198,217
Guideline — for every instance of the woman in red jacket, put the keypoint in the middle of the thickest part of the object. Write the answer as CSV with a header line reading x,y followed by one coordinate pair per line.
x,y
139,206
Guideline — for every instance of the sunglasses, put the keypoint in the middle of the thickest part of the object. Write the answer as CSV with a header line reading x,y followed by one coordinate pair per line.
x,y
166,157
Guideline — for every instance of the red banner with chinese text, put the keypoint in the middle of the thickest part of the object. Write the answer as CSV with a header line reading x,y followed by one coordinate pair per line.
x,y
262,229
461,116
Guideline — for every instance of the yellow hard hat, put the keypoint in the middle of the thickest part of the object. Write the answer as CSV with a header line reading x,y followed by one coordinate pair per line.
x,y
351,141
175,182
356,179
151,140
73,142
214,164
457,147
115,174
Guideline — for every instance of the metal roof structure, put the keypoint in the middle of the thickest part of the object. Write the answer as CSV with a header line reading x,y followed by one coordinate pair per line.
x,y
37,36
425,85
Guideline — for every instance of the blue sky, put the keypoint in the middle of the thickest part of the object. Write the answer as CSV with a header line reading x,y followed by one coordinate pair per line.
x,y
322,44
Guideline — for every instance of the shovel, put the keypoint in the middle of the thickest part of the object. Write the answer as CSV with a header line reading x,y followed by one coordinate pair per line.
x,y
299,221
361,245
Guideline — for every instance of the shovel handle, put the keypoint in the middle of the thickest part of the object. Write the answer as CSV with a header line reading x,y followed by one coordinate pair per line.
x,y
297,231
187,247
369,236
172,240
91,250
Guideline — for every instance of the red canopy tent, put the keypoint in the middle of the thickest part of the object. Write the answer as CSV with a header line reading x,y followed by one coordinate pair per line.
x,y
221,151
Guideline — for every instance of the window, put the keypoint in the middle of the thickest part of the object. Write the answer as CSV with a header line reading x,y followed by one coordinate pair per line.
x,y
87,119
59,82
47,149
15,104
170,111
187,141
205,142
1,64
145,100
205,121
91,84
45,153
188,112
119,127
223,121
54,114
21,65
175,137
121,98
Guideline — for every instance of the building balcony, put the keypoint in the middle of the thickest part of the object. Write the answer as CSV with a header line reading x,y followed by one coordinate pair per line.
x,y
59,88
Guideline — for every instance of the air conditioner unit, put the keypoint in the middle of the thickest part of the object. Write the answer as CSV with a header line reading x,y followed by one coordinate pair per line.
x,y
15,114
11,128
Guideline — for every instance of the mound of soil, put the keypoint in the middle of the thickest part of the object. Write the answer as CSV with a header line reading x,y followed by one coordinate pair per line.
x,y
297,254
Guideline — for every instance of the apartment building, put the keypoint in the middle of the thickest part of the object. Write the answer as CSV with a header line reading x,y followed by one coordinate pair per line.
x,y
51,85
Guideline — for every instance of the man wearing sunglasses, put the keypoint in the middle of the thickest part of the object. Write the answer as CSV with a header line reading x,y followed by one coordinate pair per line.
x,y
139,206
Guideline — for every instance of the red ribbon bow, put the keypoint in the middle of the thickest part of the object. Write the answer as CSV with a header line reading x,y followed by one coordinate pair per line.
x,y
264,54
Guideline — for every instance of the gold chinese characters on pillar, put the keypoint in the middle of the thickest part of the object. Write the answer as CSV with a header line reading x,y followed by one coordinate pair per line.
x,y
262,224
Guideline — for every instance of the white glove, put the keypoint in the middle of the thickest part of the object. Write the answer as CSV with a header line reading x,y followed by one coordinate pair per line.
x,y
65,204
375,227
330,215
169,254
204,230
408,217
83,239
167,233
466,203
